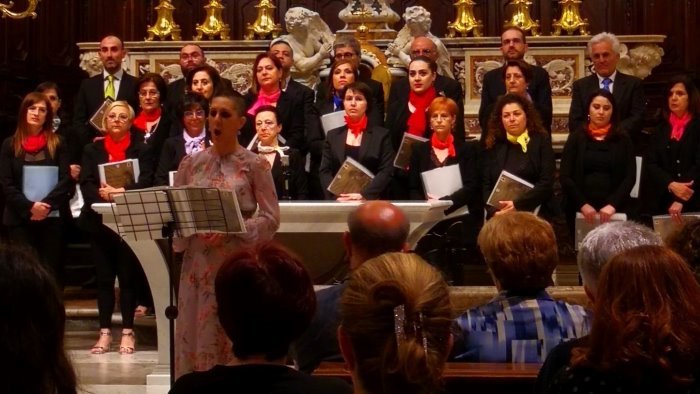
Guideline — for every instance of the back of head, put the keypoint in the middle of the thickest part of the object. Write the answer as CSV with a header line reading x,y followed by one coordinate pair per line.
x,y
265,301
32,321
647,319
397,350
520,250
686,242
607,240
378,227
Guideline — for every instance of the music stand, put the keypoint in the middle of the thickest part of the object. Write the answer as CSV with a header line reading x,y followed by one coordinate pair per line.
x,y
165,213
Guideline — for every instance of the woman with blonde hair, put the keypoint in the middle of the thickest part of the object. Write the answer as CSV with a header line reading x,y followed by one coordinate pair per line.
x,y
395,331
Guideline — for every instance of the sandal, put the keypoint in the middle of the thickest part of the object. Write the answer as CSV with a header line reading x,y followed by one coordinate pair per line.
x,y
129,348
101,347
141,311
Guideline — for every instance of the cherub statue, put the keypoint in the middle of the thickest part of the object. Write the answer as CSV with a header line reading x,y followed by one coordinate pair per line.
x,y
417,24
312,42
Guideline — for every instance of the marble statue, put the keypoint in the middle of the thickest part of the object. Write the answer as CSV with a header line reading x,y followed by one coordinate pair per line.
x,y
417,24
312,42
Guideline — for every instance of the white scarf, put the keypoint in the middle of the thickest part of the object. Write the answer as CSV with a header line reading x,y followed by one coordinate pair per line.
x,y
194,144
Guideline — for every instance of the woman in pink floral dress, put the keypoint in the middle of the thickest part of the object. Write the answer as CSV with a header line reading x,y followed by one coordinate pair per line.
x,y
201,343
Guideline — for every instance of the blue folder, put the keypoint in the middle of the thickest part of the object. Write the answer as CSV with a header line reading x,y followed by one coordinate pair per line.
x,y
38,182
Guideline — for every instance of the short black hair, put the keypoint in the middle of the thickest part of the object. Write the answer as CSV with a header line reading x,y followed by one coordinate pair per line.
x,y
189,101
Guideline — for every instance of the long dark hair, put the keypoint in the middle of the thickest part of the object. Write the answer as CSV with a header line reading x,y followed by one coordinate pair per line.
x,y
693,95
32,324
496,132
615,129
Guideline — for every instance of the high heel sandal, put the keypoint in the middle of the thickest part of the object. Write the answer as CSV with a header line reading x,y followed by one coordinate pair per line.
x,y
100,348
127,349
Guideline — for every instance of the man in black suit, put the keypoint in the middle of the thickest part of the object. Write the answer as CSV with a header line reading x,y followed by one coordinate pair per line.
x,y
446,86
514,47
349,48
113,82
191,57
604,49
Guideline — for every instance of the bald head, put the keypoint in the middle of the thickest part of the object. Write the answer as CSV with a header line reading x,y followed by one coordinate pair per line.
x,y
424,46
378,227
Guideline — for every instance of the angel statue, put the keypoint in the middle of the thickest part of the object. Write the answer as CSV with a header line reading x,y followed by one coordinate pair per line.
x,y
311,40
417,24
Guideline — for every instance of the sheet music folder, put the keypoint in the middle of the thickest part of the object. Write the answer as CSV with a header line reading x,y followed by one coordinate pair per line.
x,y
142,214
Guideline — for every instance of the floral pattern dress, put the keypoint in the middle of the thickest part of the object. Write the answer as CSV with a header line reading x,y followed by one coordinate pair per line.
x,y
200,341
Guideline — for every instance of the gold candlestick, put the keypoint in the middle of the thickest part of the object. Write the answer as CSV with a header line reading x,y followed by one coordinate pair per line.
x,y
28,13
465,21
213,24
165,25
521,17
265,22
570,19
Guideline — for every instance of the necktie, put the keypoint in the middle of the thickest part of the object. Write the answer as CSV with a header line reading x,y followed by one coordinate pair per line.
x,y
109,90
606,84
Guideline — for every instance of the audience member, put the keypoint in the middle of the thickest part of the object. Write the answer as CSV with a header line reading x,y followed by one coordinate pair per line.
x,y
444,86
604,50
516,142
597,248
395,331
672,161
32,328
261,331
201,342
645,330
374,228
686,242
514,48
368,145
112,83
523,323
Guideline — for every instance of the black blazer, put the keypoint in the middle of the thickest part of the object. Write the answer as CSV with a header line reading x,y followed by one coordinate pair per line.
x,y
629,102
177,90
541,156
298,186
292,117
445,86
571,173
170,156
90,98
157,139
376,154
466,157
539,89
95,154
662,168
17,207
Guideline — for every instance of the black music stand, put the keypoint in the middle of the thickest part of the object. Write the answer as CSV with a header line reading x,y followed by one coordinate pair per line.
x,y
165,213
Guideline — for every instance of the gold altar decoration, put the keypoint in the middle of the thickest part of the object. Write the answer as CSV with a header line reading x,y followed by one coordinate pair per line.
x,y
522,19
362,31
213,24
165,25
570,19
264,24
465,21
28,13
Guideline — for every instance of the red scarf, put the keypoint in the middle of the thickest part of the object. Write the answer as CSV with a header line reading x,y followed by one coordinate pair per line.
x,y
356,127
145,118
34,143
416,122
449,144
598,132
678,125
117,149
264,99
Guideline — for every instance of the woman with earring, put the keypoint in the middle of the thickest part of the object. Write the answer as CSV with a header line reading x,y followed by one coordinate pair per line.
x,y
598,168
113,259
673,161
267,90
28,216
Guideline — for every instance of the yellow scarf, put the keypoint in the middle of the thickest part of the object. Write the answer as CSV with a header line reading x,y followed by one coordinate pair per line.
x,y
522,139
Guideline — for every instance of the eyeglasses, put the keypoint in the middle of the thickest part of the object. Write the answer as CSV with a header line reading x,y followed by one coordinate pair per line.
x,y
194,114
147,93
345,55
121,117
418,52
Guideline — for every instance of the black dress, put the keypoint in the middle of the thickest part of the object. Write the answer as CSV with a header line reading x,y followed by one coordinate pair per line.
x,y
298,186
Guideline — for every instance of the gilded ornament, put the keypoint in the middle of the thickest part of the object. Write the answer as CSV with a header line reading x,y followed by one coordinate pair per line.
x,y
570,19
28,13
213,24
165,25
521,17
465,21
264,24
